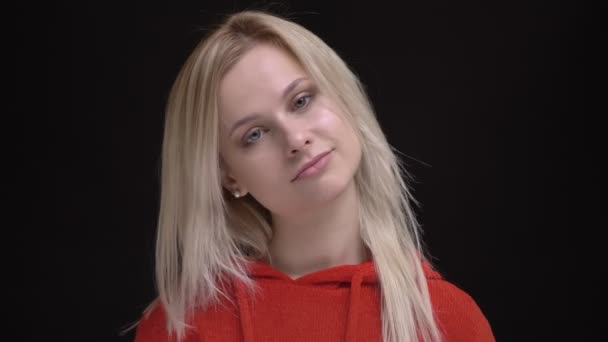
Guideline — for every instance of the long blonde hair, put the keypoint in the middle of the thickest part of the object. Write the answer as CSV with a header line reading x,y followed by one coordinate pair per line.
x,y
204,234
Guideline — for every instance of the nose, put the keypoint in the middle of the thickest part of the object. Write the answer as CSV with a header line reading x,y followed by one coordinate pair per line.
x,y
295,150
297,137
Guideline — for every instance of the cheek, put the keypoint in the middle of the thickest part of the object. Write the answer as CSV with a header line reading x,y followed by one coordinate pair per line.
x,y
347,138
336,127
330,118
329,122
258,170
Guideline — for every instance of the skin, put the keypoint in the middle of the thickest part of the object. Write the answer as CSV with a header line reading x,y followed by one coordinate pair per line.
x,y
315,219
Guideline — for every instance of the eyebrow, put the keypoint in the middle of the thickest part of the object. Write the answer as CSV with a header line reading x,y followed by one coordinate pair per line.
x,y
251,117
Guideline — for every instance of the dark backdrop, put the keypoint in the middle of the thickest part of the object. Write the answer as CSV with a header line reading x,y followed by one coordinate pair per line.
x,y
475,94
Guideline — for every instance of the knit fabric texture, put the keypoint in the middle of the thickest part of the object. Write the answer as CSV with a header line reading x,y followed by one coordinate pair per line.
x,y
341,303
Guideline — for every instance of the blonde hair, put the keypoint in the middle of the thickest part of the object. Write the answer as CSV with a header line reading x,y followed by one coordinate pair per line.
x,y
203,234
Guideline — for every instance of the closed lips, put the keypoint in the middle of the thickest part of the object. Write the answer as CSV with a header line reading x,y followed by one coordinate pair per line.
x,y
311,163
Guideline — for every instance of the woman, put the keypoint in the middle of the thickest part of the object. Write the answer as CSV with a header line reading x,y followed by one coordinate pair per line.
x,y
284,214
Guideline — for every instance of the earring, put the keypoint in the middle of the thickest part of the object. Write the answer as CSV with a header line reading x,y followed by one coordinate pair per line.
x,y
237,194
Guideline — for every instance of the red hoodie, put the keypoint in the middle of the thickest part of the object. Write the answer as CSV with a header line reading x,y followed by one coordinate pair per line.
x,y
335,304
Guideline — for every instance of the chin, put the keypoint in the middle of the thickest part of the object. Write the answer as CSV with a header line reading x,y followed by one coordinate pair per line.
x,y
312,195
327,190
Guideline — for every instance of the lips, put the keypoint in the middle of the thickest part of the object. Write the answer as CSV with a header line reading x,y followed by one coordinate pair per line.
x,y
311,163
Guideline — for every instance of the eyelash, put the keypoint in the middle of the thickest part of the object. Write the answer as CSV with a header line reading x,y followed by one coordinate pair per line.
x,y
308,98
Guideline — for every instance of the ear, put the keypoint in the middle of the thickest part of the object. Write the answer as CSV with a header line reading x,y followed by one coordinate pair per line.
x,y
229,182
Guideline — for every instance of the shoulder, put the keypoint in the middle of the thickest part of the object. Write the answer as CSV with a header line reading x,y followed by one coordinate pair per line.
x,y
152,326
219,320
459,316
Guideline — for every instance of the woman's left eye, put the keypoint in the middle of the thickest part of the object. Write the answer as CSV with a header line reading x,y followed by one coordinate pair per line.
x,y
301,102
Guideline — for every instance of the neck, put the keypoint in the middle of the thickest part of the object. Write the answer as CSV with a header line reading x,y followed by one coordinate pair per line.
x,y
322,238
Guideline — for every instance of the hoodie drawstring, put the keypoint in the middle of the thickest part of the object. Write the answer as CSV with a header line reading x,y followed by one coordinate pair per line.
x,y
353,310
351,331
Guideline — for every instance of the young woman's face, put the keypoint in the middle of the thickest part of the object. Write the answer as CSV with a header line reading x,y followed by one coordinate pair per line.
x,y
273,122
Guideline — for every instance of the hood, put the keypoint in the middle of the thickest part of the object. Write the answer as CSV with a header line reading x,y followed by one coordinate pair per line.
x,y
355,275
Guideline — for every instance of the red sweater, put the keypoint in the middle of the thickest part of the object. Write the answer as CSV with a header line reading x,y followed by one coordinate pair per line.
x,y
336,304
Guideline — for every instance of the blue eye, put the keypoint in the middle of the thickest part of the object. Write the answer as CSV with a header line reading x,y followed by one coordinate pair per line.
x,y
254,136
301,102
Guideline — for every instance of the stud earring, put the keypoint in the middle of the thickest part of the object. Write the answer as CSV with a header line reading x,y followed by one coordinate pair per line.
x,y
237,194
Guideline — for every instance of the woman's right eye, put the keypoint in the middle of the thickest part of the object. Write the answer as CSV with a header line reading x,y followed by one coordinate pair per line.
x,y
253,136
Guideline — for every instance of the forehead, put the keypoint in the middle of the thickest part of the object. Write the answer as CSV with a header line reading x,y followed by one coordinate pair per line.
x,y
256,81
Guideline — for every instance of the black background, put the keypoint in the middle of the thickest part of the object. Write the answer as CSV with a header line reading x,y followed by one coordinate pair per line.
x,y
479,96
